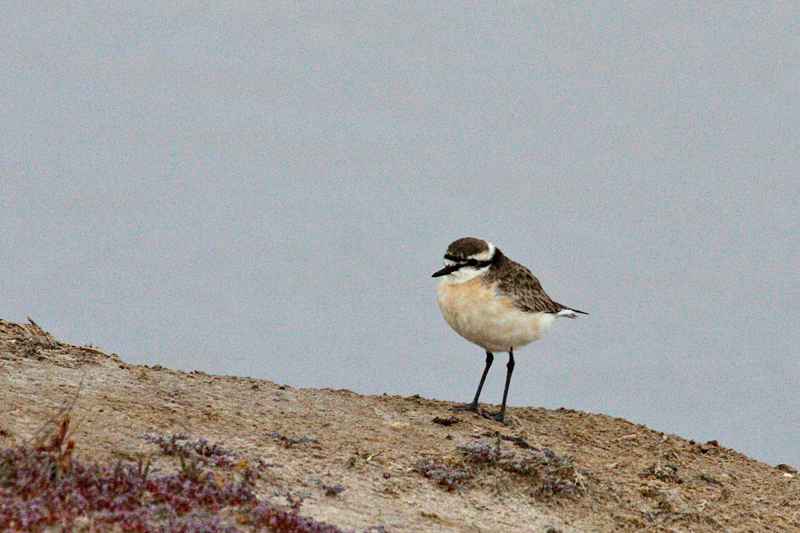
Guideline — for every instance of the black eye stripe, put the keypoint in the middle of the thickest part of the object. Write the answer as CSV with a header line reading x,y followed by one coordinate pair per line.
x,y
470,262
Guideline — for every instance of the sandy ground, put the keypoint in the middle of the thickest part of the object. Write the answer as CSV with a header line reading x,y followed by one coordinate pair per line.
x,y
350,459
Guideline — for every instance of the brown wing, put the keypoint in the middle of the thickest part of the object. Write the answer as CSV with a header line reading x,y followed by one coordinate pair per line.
x,y
519,283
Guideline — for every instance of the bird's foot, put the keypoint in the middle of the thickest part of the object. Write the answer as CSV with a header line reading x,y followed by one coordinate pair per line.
x,y
500,416
473,407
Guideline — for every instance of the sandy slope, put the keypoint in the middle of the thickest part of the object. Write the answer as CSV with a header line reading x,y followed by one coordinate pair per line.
x,y
310,443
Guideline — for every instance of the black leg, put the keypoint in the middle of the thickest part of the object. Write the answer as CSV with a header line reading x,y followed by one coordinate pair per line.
x,y
474,405
501,416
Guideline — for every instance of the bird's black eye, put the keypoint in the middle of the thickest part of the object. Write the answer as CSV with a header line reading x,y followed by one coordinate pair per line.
x,y
471,262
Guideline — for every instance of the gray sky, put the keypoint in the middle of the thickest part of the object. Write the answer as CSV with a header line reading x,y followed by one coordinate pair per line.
x,y
265,190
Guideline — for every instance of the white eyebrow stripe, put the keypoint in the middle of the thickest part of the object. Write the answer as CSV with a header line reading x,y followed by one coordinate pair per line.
x,y
485,256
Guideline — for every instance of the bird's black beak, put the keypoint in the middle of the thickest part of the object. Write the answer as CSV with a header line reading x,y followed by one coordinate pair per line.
x,y
445,271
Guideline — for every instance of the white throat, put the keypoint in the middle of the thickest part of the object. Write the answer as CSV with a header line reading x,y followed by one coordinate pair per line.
x,y
463,275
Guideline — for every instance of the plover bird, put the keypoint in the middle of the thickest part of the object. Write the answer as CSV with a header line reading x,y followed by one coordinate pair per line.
x,y
495,303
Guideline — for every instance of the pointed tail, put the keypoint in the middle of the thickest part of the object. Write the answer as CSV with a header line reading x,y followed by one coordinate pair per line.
x,y
570,313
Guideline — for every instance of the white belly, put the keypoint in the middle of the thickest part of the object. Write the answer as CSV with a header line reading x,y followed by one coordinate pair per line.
x,y
476,312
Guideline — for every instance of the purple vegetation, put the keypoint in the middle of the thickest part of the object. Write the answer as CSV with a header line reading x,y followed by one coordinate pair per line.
x,y
39,488
288,441
46,487
551,473
445,476
284,521
197,449
554,474
483,452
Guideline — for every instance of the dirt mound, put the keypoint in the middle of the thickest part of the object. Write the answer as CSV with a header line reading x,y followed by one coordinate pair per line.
x,y
384,463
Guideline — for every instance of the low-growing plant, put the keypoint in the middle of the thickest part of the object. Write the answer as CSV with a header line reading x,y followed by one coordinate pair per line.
x,y
553,473
199,449
41,488
288,441
288,521
444,475
37,489
549,472
483,452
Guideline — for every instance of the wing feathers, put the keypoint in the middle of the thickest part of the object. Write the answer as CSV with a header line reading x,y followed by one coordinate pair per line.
x,y
519,284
